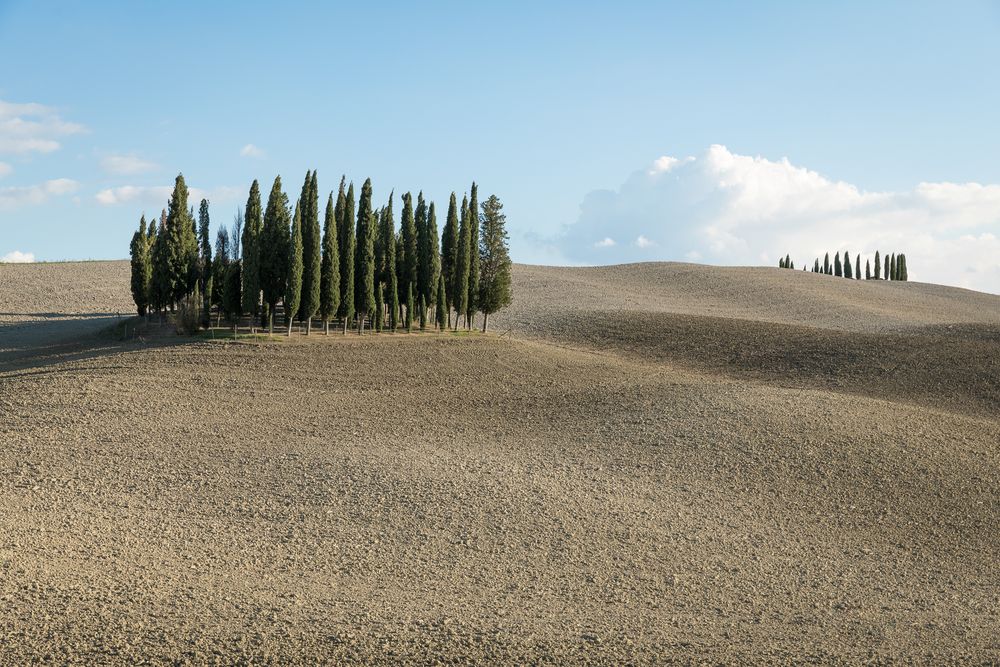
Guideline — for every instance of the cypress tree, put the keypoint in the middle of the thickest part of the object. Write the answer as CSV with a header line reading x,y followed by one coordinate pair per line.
x,y
838,269
471,307
253,225
293,283
449,253
379,307
160,283
329,287
781,262
885,264
220,269
205,260
857,266
420,216
232,302
182,244
393,302
461,288
878,266
892,267
868,269
441,309
408,233
385,253
816,266
274,253
826,264
364,264
409,308
495,264
847,265
902,267
344,214
433,252
312,258
142,268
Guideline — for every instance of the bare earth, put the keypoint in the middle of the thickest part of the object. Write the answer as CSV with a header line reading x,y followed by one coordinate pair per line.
x,y
643,464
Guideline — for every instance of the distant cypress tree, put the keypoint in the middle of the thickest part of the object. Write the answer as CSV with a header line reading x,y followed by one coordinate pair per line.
x,y
868,269
791,265
422,312
345,235
857,266
441,309
393,302
826,264
885,264
847,265
250,273
878,266
293,285
312,258
142,268
409,308
379,307
461,288
892,267
449,253
364,265
471,307
816,266
838,269
495,264
274,251
329,283
408,232
901,268
205,261
781,262
220,268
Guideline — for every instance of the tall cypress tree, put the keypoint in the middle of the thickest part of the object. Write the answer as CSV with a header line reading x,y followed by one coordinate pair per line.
x,y
433,257
449,253
848,273
142,268
312,257
826,264
885,263
892,267
253,225
868,269
385,246
182,245
441,309
857,266
408,234
274,239
878,266
364,264
344,214
160,283
816,266
205,260
901,260
495,280
293,284
329,284
471,307
461,287
838,269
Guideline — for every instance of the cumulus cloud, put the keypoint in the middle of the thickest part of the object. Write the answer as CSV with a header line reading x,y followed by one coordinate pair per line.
x,y
158,195
32,128
127,164
5,169
251,151
12,197
606,242
17,257
726,208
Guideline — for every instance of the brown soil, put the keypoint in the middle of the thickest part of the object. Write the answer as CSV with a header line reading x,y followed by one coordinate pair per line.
x,y
703,475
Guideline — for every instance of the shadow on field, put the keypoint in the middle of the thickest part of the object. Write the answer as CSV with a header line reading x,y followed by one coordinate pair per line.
x,y
953,367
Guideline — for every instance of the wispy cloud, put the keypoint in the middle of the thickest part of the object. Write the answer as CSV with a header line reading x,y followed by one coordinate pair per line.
x,y
158,195
12,197
252,151
18,257
606,242
5,169
127,164
726,208
32,128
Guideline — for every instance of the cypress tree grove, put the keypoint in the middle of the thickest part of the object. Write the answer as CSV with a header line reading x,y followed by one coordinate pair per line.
x,y
311,252
329,284
494,260
847,265
205,261
296,266
471,307
441,309
142,268
461,287
345,230
878,266
408,234
253,225
857,266
449,253
274,237
364,268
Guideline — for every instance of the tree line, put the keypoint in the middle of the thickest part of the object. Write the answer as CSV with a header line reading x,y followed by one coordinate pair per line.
x,y
355,267
894,269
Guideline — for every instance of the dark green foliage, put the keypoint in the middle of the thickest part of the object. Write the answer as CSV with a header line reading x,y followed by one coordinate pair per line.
x,y
471,307
857,267
393,302
441,309
868,269
159,289
220,267
182,244
206,277
408,235
838,269
253,226
312,258
494,260
892,267
423,244
385,244
364,263
901,267
273,258
826,264
142,268
878,266
848,270
460,289
344,214
885,263
293,284
409,308
329,287
449,252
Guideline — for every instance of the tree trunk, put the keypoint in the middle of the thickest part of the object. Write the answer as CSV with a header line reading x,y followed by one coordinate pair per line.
x,y
345,325
326,327
290,320
486,319
361,324
270,321
309,324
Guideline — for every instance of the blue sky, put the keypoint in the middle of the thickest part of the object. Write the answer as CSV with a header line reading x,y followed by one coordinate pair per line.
x,y
552,106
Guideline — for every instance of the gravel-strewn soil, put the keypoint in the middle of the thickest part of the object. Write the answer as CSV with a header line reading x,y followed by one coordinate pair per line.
x,y
686,489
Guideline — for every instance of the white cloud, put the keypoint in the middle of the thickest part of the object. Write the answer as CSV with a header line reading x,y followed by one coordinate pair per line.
x,y
726,208
157,196
251,151
32,128
5,169
606,242
12,197
17,257
127,164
